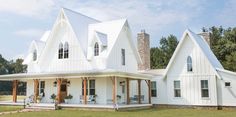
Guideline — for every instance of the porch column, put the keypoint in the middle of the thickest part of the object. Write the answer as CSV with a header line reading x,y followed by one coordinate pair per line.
x,y
149,92
114,90
127,85
139,91
14,90
85,90
59,90
36,90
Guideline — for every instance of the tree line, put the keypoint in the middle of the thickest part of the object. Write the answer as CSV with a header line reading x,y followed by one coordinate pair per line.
x,y
222,43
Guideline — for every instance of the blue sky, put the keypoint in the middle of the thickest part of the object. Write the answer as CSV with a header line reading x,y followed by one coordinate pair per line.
x,y
22,21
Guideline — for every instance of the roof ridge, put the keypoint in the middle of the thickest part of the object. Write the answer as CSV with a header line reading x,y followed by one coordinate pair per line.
x,y
80,14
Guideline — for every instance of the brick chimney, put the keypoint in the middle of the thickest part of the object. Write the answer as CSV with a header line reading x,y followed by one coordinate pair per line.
x,y
144,50
206,37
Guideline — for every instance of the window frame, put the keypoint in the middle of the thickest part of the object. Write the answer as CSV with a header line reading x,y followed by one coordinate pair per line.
x,y
204,88
189,64
123,56
35,56
96,49
60,51
177,90
154,89
42,88
66,50
89,87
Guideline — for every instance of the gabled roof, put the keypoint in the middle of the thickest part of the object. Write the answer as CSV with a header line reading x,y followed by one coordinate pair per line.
x,y
79,23
102,38
202,44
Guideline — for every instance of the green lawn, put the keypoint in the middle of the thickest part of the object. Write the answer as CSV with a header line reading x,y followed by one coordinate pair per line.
x,y
9,97
9,108
140,113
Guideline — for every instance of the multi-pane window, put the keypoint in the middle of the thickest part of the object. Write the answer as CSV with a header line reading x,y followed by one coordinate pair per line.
x,y
90,87
123,56
204,88
35,55
96,49
66,50
154,89
177,89
189,64
60,51
42,87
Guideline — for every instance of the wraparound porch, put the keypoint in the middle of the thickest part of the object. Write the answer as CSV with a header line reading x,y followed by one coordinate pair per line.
x,y
110,88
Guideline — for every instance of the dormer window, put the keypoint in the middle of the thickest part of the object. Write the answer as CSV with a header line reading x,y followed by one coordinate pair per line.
x,y
189,64
66,50
35,55
96,49
60,51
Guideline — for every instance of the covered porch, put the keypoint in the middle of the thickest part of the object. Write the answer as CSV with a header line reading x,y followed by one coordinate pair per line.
x,y
101,89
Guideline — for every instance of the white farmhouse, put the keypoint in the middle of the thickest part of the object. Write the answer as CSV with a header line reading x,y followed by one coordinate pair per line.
x,y
100,66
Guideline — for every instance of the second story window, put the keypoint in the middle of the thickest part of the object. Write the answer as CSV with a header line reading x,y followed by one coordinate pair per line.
x,y
123,56
96,49
60,51
189,64
35,55
66,50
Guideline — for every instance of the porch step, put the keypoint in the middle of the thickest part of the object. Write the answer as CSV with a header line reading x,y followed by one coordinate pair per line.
x,y
41,106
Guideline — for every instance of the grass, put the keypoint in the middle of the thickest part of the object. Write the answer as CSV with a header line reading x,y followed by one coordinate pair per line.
x,y
9,97
9,108
138,113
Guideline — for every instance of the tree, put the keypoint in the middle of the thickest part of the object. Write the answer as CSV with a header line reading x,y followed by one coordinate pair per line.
x,y
161,55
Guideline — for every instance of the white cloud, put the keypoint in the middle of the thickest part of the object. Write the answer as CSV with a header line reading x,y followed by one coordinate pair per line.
x,y
29,33
32,8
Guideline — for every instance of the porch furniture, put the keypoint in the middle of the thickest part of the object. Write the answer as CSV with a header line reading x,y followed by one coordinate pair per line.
x,y
30,99
90,99
135,98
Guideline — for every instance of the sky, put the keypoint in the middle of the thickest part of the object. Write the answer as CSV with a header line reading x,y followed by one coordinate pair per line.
x,y
22,21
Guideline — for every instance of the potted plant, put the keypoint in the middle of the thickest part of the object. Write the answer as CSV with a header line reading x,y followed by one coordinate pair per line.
x,y
68,98
118,98
39,98
53,97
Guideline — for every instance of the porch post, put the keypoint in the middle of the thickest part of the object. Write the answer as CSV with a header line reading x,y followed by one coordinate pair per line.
x,y
36,90
59,91
149,92
14,90
85,90
139,91
127,85
114,89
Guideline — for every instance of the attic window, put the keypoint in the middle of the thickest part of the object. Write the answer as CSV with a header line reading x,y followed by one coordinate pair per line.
x,y
66,50
35,55
96,49
60,51
189,64
227,84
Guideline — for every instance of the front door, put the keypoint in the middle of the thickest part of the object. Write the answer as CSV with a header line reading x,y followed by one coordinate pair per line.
x,y
63,90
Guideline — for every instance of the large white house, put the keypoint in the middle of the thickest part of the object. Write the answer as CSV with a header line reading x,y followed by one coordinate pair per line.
x,y
98,63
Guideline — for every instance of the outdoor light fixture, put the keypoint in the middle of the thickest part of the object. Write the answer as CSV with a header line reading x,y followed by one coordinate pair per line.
x,y
55,83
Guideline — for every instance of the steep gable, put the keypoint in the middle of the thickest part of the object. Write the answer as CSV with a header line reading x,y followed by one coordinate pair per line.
x,y
199,43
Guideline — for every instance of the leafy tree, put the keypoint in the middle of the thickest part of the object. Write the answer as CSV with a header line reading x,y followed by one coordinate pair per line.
x,y
161,55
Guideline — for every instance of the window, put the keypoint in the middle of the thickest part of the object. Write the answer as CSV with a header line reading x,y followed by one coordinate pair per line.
x,y
60,51
177,89
96,49
90,89
66,50
227,84
35,55
204,88
42,87
154,89
123,56
189,64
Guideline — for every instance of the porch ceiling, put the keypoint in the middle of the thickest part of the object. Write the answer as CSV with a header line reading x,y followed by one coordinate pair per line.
x,y
68,75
